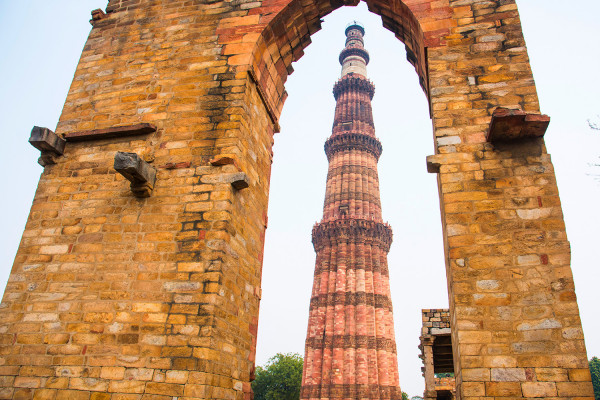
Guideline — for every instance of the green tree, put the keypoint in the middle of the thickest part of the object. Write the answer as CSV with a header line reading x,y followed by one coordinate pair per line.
x,y
279,379
595,370
404,396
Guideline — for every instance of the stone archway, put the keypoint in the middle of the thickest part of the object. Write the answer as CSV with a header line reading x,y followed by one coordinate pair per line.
x,y
159,296
284,35
495,191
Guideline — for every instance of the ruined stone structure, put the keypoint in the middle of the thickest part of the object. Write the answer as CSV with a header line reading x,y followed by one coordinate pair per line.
x,y
350,344
436,353
124,297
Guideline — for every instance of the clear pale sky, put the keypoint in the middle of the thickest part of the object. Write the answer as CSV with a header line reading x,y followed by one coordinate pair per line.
x,y
42,42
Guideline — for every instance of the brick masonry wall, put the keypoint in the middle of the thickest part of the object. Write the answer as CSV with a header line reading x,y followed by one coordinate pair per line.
x,y
112,296
515,325
120,298
435,321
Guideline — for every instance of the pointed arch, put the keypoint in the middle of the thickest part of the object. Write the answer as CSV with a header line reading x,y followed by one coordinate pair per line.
x,y
282,30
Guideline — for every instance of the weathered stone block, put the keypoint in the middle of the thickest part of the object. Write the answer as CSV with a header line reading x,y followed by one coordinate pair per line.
x,y
49,143
539,389
44,139
575,389
239,180
508,374
476,374
580,375
141,175
97,15
551,374
508,124
503,389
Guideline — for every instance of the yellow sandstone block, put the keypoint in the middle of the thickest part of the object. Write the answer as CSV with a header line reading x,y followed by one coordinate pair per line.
x,y
503,389
539,389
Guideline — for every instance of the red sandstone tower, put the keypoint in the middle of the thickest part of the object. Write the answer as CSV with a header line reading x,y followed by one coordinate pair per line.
x,y
350,343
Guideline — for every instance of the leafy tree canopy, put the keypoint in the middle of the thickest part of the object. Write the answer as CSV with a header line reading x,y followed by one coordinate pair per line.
x,y
279,379
595,370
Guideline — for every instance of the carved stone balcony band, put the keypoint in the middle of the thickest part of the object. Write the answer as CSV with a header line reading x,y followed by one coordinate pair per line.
x,y
354,83
353,141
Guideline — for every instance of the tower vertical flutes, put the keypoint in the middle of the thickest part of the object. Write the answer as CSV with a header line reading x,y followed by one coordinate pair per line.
x,y
350,348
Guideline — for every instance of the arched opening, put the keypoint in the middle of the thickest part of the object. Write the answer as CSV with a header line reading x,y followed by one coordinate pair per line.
x,y
409,194
284,38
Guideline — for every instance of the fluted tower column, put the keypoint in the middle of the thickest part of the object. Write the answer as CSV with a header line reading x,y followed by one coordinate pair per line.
x,y
350,344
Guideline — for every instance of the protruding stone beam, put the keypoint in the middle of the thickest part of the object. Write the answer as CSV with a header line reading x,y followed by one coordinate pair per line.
x,y
238,180
97,15
224,159
108,133
508,124
137,171
49,143
433,164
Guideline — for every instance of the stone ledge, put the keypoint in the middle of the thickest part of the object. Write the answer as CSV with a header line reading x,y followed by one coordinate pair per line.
x,y
508,124
108,133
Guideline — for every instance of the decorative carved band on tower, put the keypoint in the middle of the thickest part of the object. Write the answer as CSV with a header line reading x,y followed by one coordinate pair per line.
x,y
350,343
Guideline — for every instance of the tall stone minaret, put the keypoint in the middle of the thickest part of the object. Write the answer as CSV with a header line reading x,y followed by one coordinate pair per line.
x,y
350,343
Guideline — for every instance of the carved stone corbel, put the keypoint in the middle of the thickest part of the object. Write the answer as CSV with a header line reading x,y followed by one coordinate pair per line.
x,y
137,171
49,143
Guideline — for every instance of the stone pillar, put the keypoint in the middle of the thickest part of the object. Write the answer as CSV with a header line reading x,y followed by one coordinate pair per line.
x,y
516,330
427,349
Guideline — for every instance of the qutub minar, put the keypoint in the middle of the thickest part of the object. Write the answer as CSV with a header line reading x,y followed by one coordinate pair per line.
x,y
350,343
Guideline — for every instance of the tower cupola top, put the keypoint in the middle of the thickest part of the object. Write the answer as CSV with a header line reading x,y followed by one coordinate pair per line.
x,y
354,58
355,25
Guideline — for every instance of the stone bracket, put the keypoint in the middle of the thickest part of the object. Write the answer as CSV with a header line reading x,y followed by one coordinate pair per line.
x,y
239,180
97,15
433,164
137,171
108,133
49,143
508,124
224,159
